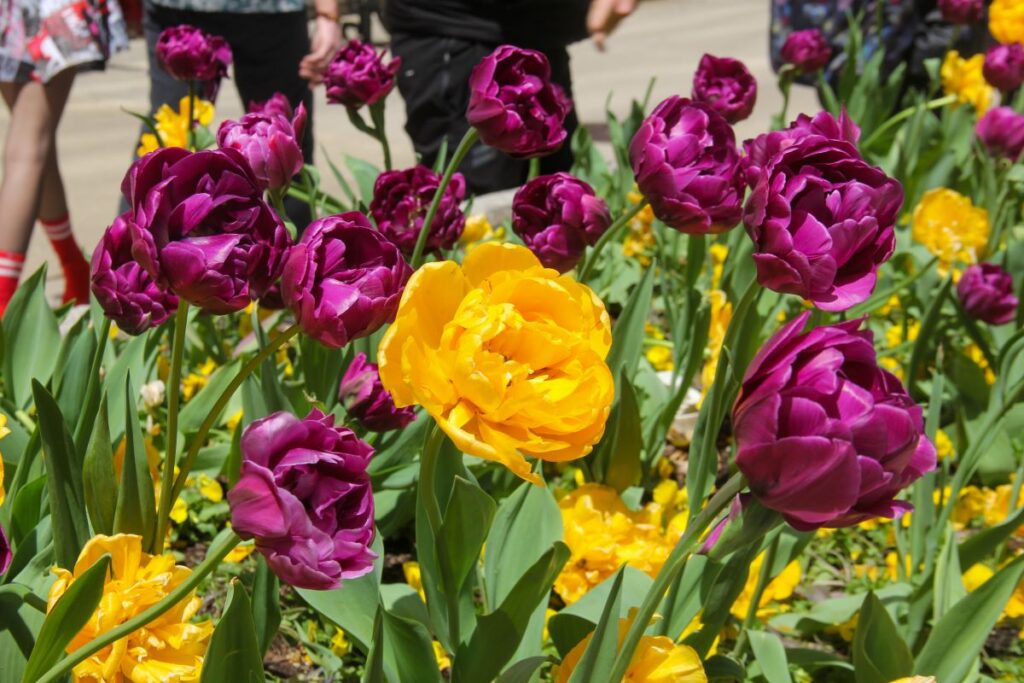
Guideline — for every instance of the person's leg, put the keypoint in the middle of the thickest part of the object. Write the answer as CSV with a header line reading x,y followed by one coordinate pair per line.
x,y
56,222
267,50
434,82
35,112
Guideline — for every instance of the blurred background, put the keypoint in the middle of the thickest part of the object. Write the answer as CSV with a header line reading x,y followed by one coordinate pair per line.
x,y
663,40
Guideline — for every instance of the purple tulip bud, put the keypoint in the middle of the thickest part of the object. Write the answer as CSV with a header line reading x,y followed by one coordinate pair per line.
x,y
5,552
825,436
269,142
125,291
366,399
821,218
558,217
275,104
685,162
343,280
1004,66
986,293
400,203
305,496
725,85
807,50
962,11
200,227
189,54
514,105
1001,130
358,76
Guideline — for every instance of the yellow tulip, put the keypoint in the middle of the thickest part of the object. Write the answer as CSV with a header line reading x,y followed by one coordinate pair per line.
x,y
964,78
506,355
1006,21
950,226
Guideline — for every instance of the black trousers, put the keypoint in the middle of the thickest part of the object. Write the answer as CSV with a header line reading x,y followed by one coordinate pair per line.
x,y
434,82
266,48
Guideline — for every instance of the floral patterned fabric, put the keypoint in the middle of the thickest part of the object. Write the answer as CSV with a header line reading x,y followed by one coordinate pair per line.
x,y
41,38
236,6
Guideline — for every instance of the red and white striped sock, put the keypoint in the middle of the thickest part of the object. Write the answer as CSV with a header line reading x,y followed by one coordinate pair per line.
x,y
11,264
72,261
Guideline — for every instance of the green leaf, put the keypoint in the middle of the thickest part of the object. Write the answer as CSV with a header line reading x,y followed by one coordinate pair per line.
x,y
600,652
365,175
266,604
981,544
959,635
352,607
234,652
628,333
199,406
98,478
499,633
408,651
616,460
374,670
879,653
71,374
27,509
770,656
464,529
64,478
949,584
522,671
70,613
569,626
136,503
31,339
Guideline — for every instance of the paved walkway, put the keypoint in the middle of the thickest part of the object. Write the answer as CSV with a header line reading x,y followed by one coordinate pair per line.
x,y
664,40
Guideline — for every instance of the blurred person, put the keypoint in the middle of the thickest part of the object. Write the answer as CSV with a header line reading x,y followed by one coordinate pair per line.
x,y
42,47
440,41
271,48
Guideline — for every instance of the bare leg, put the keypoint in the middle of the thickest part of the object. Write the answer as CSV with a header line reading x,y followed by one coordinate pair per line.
x,y
53,204
35,113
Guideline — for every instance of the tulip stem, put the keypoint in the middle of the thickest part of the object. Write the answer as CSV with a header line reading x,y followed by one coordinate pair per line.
x,y
608,236
763,578
670,571
903,116
377,116
191,115
222,401
173,399
218,550
467,142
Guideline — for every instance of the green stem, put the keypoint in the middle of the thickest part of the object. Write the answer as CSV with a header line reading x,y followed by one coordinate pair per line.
x,y
608,236
534,168
670,571
763,579
220,547
902,116
222,401
377,116
429,458
461,151
171,454
191,115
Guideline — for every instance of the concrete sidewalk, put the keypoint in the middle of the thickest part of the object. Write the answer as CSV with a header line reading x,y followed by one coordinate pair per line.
x,y
664,40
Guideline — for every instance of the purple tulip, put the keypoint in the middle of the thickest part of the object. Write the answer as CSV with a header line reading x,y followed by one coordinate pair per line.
x,y
200,227
725,85
358,76
305,496
986,293
1001,130
125,291
821,218
343,280
962,11
189,54
558,217
269,142
5,552
1004,66
275,104
685,162
807,50
825,436
514,105
400,203
366,399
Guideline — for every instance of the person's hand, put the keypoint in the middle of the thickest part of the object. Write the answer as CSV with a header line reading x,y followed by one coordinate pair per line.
x,y
604,16
326,42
